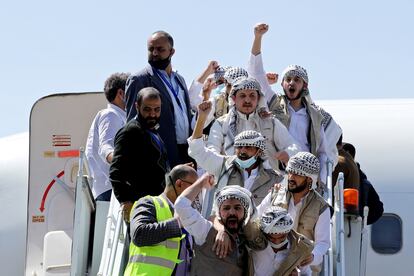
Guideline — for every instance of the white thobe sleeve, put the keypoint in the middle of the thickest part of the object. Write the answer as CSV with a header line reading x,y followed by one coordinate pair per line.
x,y
194,93
283,140
192,220
322,237
256,70
206,158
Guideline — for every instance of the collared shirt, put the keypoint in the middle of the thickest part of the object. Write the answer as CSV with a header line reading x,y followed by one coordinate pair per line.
x,y
182,125
249,180
299,126
100,144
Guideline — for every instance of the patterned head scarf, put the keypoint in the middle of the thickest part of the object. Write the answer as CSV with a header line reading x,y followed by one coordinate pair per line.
x,y
244,83
276,220
250,138
304,164
220,71
296,71
239,193
233,73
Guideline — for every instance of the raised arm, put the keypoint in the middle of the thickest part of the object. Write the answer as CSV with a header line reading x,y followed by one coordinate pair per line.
x,y
255,65
190,218
206,158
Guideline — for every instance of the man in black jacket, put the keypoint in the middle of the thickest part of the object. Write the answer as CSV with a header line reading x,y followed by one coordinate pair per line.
x,y
176,114
367,194
140,159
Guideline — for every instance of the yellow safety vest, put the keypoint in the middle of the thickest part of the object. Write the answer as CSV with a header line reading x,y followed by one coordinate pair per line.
x,y
159,259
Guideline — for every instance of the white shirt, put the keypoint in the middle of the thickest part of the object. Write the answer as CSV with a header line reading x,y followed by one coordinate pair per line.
x,y
249,180
220,142
100,144
182,125
322,227
192,220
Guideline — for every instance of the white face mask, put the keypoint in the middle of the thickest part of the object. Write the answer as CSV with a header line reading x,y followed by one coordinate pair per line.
x,y
245,164
217,90
279,245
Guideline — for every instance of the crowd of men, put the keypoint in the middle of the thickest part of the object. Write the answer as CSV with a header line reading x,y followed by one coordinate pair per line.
x,y
226,177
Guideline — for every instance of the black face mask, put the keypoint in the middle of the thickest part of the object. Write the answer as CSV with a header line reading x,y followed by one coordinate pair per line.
x,y
160,64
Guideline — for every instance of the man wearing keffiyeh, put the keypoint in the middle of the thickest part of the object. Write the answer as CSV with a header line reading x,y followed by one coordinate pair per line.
x,y
234,208
244,115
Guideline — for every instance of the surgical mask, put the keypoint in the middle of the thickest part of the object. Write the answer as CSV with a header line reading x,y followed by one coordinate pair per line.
x,y
245,164
279,245
160,64
216,91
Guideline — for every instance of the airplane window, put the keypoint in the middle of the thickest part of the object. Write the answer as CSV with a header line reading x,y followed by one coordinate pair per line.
x,y
386,234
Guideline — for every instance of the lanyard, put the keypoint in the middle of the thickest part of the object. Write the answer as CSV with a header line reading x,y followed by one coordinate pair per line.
x,y
170,86
157,140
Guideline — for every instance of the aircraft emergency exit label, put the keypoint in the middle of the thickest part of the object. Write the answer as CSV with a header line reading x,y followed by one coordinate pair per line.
x,y
61,140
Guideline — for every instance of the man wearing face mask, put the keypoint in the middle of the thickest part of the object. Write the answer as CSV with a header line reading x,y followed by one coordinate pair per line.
x,y
286,248
244,115
176,112
245,168
308,209
100,144
140,158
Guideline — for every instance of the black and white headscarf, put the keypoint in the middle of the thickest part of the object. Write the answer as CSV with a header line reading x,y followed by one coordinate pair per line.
x,y
304,164
233,73
296,71
245,83
239,193
276,220
250,138
220,71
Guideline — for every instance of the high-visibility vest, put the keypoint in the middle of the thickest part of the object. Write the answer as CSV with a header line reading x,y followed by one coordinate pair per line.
x,y
158,259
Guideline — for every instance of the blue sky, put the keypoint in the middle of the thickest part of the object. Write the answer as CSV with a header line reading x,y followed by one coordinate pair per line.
x,y
351,49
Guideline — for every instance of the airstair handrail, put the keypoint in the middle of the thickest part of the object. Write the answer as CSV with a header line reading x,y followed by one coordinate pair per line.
x,y
114,247
328,258
340,231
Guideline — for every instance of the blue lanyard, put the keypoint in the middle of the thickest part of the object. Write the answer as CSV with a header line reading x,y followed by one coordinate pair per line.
x,y
157,140
170,86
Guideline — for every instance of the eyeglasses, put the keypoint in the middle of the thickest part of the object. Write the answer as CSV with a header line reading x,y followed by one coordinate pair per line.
x,y
191,183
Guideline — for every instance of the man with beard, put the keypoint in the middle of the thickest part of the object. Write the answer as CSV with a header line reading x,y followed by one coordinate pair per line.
x,y
312,127
233,207
140,158
309,210
245,168
176,113
247,97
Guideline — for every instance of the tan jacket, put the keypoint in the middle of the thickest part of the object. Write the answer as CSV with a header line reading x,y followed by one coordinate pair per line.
x,y
300,248
279,107
312,206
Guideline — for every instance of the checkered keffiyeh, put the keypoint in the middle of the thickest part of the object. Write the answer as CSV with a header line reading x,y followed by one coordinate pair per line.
x,y
220,71
250,138
296,71
304,164
233,73
245,83
239,193
276,220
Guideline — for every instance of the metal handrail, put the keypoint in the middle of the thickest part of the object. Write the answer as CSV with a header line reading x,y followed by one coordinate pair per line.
x,y
328,258
110,266
340,231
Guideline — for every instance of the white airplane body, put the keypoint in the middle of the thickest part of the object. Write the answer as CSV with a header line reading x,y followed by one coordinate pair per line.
x,y
37,192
